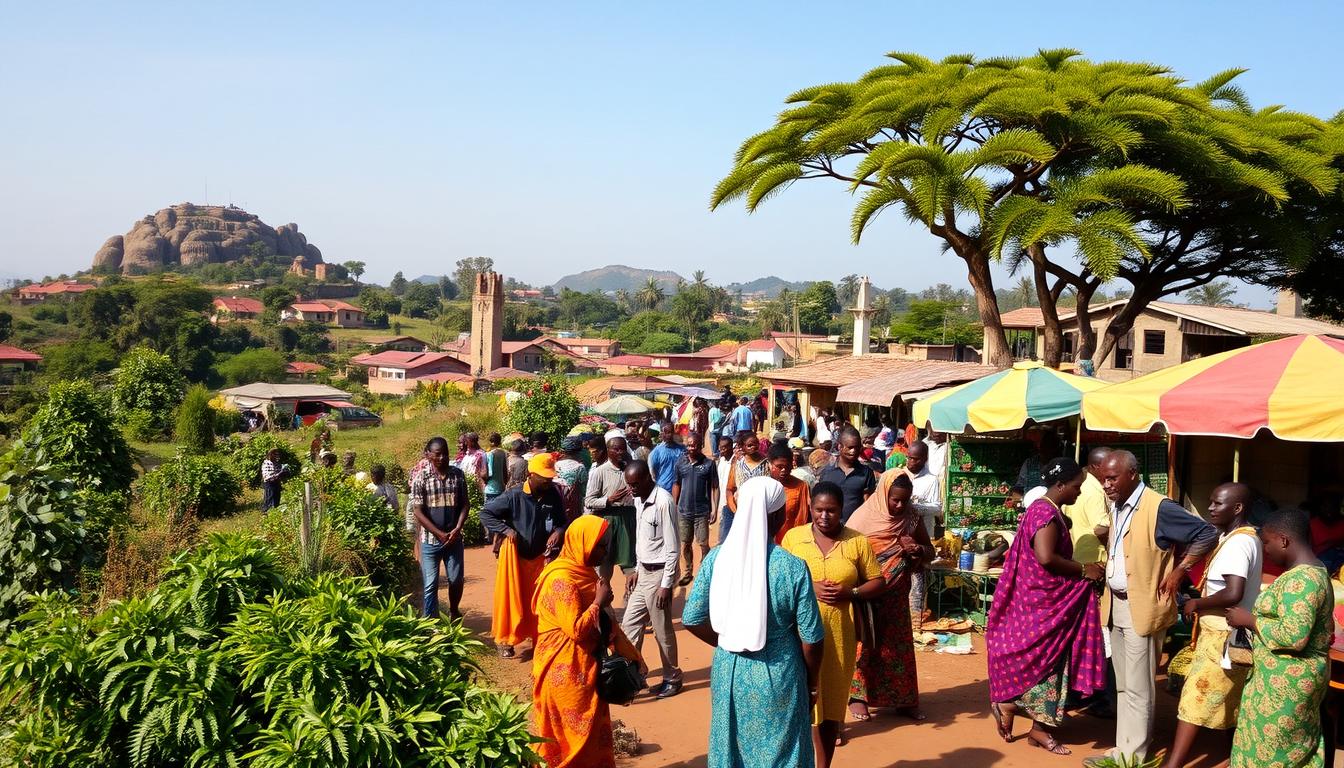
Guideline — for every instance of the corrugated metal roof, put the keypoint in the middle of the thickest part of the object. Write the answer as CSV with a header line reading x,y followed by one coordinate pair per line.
x,y
923,375
1249,322
839,371
1026,317
262,391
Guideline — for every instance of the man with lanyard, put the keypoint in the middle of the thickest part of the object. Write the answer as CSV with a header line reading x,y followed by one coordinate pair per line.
x,y
1142,578
648,596
439,501
531,520
609,497
664,457
856,479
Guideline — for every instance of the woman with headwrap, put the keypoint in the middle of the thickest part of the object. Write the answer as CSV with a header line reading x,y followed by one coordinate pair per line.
x,y
574,721
884,675
758,609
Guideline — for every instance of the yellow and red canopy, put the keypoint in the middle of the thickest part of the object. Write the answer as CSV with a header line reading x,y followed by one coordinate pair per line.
x,y
1294,387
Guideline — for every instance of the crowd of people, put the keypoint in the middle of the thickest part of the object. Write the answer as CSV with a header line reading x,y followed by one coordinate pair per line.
x,y
814,588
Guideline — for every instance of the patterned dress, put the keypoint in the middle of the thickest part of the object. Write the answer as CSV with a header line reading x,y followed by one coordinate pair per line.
x,y
884,673
759,699
1279,725
849,564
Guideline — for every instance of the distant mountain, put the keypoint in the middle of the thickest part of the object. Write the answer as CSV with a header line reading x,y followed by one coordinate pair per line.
x,y
770,286
616,277
427,279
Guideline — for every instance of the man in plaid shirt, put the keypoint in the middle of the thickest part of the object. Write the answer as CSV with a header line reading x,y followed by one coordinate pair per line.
x,y
439,499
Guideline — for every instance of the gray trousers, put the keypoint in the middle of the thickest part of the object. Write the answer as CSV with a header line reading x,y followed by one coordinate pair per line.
x,y
642,606
1134,658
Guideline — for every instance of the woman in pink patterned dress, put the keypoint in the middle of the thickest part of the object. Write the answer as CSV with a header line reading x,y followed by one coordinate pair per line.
x,y
1044,629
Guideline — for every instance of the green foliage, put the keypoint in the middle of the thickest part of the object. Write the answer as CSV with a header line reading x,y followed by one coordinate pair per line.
x,y
583,310
51,313
420,300
935,322
632,332
473,530
188,486
146,390
660,342
195,427
1219,293
398,284
6,325
41,529
79,359
245,456
465,274
76,433
549,407
251,366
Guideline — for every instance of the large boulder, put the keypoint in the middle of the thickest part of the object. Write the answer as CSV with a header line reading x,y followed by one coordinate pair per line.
x,y
187,234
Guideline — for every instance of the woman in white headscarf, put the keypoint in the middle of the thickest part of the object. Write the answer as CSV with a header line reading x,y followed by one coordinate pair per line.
x,y
758,609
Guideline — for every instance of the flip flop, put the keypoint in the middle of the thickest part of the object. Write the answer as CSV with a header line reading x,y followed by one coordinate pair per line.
x,y
862,718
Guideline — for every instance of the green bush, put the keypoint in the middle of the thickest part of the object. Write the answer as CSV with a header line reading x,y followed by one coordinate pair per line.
x,y
76,431
225,663
146,390
245,456
42,542
227,421
195,428
548,407
191,486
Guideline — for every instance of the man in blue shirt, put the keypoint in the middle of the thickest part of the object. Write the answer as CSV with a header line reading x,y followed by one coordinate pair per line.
x,y
664,457
743,420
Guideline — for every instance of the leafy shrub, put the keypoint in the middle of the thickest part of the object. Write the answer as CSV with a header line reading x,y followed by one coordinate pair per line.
x,y
223,663
252,365
396,474
191,486
548,407
227,421
473,531
245,456
76,431
195,429
51,313
41,529
146,389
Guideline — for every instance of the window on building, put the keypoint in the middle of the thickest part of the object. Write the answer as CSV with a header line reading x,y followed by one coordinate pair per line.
x,y
1124,352
1154,342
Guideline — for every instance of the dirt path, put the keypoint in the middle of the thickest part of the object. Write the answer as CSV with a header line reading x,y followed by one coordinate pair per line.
x,y
954,695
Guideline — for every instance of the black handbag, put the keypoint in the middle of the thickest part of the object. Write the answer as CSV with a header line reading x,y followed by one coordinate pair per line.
x,y
618,678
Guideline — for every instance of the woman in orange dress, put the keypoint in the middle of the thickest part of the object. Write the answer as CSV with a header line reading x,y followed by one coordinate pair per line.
x,y
573,720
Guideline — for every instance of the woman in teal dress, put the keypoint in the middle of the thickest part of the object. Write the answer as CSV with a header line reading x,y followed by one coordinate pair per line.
x,y
1279,724
758,610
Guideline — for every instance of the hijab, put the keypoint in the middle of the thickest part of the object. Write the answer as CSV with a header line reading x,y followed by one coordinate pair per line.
x,y
874,520
581,538
738,588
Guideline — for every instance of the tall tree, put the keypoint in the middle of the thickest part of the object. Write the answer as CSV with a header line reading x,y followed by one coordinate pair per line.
x,y
355,268
1084,170
1219,293
398,284
466,272
447,288
848,289
651,295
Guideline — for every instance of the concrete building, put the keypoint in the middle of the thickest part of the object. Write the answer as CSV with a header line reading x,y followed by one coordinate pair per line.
x,y
1168,333
235,308
15,361
66,289
327,312
397,373
590,348
487,324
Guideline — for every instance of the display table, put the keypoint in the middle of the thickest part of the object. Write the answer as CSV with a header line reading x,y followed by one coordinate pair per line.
x,y
952,590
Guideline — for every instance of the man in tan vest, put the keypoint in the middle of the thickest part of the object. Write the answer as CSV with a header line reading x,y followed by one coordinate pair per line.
x,y
1142,576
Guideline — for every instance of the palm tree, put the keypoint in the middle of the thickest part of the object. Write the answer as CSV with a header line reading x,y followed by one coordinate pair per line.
x,y
848,289
624,301
1024,292
1218,293
698,278
651,295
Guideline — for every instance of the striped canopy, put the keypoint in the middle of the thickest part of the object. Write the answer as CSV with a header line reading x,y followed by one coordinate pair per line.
x,y
1006,400
1290,386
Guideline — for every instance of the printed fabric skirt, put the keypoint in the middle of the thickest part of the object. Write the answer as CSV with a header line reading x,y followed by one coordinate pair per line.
x,y
1044,701
1211,694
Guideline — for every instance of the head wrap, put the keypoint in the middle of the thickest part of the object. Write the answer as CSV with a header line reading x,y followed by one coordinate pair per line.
x,y
738,589
581,538
874,520
571,443
612,434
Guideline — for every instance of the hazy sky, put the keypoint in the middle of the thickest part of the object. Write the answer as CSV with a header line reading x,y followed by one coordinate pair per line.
x,y
552,137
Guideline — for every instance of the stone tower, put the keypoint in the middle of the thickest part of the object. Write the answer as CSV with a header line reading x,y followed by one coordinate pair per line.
x,y
863,312
487,323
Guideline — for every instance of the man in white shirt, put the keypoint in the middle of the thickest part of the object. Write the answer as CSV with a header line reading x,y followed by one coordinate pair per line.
x,y
937,445
649,592
824,434
928,500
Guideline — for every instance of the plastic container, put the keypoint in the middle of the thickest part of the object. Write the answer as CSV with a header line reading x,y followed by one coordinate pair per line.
x,y
967,560
981,563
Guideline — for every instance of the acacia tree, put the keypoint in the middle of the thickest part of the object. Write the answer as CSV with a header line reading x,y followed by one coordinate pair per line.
x,y
1073,167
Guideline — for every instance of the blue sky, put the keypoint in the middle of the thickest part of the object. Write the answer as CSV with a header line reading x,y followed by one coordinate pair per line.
x,y
551,137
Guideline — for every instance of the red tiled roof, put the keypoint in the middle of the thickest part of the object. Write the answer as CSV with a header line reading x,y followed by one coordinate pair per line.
x,y
461,346
407,360
505,372
635,360
236,305
341,305
761,345
583,342
8,353
68,286
309,306
301,367
1026,317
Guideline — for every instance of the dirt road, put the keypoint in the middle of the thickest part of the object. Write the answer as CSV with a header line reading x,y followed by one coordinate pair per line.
x,y
953,689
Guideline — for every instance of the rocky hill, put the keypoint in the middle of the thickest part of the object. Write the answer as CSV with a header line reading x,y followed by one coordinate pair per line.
x,y
188,235
616,277
770,286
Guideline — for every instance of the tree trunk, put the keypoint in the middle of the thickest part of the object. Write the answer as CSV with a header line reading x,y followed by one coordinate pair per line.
x,y
1120,324
1053,336
1087,338
996,350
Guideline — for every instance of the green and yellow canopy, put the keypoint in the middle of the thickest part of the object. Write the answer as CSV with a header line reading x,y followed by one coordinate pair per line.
x,y
1006,400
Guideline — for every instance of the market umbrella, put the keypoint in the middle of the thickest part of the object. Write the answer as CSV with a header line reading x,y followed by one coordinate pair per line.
x,y
1005,400
625,405
1290,387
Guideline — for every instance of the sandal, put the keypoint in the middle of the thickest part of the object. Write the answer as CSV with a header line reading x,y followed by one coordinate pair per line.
x,y
1049,745
1005,728
506,651
914,713
863,716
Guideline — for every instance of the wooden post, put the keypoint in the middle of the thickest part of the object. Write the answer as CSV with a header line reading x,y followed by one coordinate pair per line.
x,y
306,524
1236,461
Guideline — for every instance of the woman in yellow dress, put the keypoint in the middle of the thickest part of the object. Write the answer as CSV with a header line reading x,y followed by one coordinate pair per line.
x,y
843,569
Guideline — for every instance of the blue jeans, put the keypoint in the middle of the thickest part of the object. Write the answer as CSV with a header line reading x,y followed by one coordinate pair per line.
x,y
431,554
725,523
